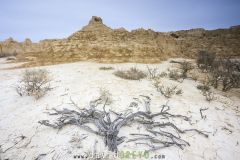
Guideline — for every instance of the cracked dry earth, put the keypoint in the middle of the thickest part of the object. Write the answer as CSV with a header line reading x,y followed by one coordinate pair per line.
x,y
22,137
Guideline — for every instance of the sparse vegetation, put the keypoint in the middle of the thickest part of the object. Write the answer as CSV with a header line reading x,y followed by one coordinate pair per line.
x,y
162,74
77,139
11,58
203,87
167,91
225,73
205,60
194,75
34,83
105,96
179,92
176,75
131,74
181,73
185,66
152,73
209,95
2,55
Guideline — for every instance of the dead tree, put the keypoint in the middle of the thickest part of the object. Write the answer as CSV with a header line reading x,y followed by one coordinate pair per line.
x,y
108,127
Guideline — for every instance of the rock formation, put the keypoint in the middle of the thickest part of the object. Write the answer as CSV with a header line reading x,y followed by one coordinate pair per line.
x,y
98,42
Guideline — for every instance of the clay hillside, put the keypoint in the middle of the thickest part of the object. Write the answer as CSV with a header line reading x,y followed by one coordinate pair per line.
x,y
99,42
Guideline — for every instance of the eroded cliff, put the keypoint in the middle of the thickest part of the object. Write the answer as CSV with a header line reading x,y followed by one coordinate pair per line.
x,y
97,41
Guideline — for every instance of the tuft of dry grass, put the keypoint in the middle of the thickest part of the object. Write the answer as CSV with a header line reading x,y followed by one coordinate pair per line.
x,y
209,95
132,74
106,68
105,96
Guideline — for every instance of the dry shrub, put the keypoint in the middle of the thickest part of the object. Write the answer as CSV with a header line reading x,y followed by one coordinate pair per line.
x,y
205,89
209,95
131,74
176,75
179,92
185,66
226,72
154,74
181,73
11,58
105,96
163,74
205,60
77,139
194,75
34,83
205,86
106,68
167,91
2,55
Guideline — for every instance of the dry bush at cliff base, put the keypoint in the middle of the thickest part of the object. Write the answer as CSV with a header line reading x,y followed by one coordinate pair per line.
x,y
2,55
34,83
205,60
222,73
176,75
205,86
11,58
185,67
227,73
183,71
131,74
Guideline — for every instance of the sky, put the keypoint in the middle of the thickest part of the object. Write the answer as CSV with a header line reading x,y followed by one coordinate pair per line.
x,y
48,19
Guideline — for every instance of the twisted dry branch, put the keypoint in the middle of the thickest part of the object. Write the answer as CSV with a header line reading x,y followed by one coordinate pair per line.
x,y
108,127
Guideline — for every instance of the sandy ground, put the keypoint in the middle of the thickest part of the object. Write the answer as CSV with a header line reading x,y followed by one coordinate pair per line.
x,y
82,81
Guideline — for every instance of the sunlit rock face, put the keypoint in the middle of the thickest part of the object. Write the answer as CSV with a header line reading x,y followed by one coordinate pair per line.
x,y
98,41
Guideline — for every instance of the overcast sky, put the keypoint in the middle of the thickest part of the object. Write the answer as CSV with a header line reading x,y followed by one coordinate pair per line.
x,y
44,19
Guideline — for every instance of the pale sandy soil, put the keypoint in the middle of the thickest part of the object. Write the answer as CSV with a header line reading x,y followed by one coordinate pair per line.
x,y
82,81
